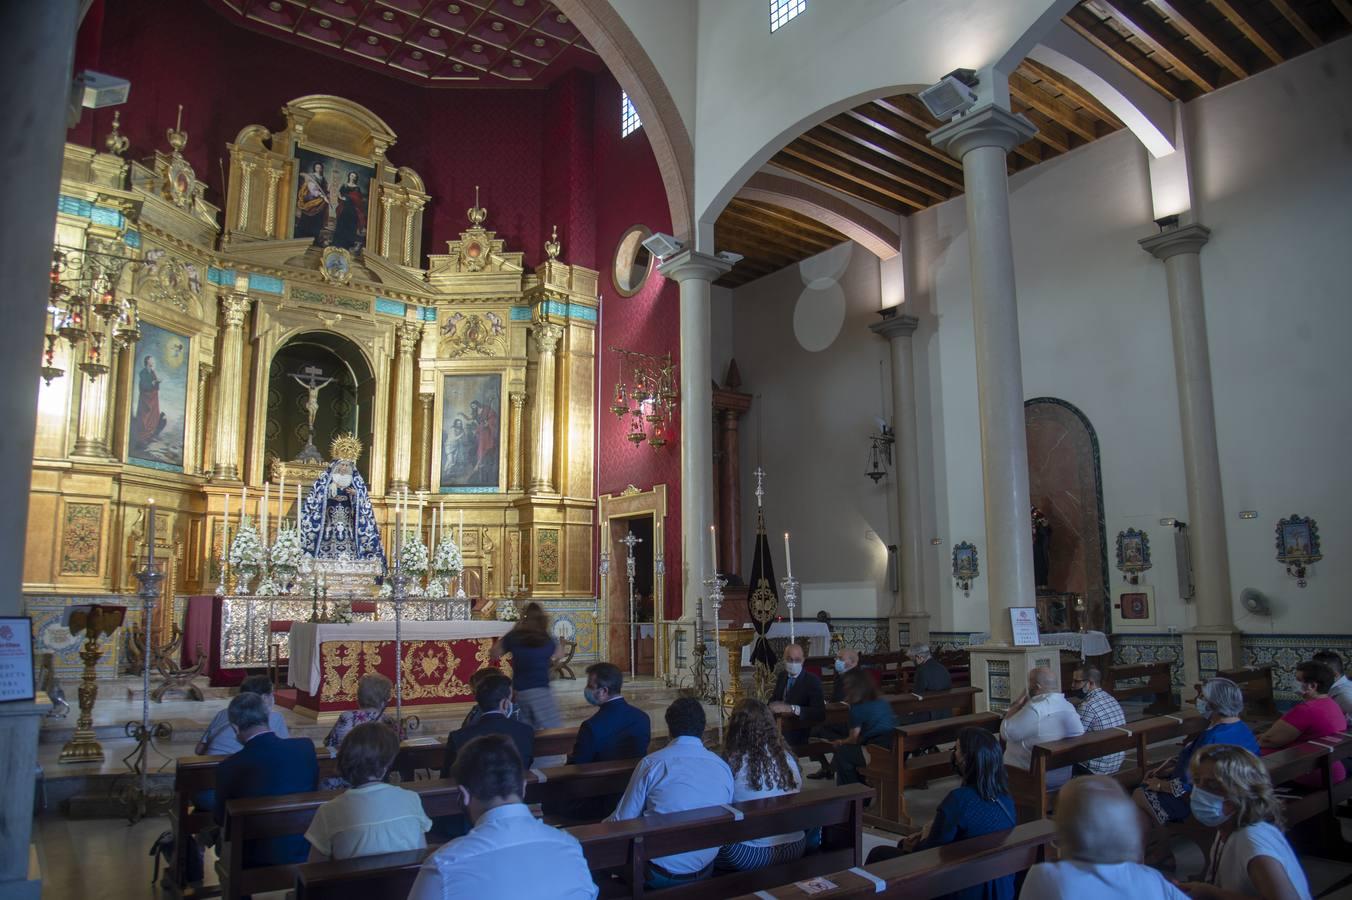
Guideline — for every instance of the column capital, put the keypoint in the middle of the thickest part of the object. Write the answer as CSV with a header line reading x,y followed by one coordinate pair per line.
x,y
408,334
547,337
517,399
235,306
1188,239
894,325
988,126
691,264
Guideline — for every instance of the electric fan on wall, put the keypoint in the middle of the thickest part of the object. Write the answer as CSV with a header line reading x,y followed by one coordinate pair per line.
x,y
1255,602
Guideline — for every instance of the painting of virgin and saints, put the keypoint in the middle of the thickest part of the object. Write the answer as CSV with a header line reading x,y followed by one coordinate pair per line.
x,y
332,199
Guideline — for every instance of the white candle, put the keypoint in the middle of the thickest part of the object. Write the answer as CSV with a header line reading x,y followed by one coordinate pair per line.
x,y
150,537
441,519
281,503
420,506
263,514
225,540
243,499
713,546
788,556
461,541
298,505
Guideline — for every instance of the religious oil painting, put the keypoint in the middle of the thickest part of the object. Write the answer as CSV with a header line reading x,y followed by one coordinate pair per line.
x,y
471,417
333,198
159,399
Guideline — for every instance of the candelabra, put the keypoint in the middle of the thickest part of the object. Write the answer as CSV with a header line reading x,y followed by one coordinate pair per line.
x,y
789,584
715,584
629,571
138,798
399,580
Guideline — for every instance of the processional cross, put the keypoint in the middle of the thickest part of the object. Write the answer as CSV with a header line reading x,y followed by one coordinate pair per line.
x,y
760,485
311,378
629,540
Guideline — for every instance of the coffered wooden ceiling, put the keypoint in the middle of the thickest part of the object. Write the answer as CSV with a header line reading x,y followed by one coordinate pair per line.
x,y
878,152
468,43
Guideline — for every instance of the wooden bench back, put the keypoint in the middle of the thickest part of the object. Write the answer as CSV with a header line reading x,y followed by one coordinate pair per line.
x,y
628,846
1158,681
911,768
1256,684
937,872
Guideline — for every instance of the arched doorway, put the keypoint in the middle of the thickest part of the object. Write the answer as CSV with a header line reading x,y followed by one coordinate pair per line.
x,y
345,404
1066,484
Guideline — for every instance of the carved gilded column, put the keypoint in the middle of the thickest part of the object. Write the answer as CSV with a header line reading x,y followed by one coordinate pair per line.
x,y
546,338
517,479
230,387
425,441
411,212
270,213
386,202
204,371
95,402
246,168
404,389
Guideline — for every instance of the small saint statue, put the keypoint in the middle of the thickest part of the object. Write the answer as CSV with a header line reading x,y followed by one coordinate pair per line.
x,y
337,521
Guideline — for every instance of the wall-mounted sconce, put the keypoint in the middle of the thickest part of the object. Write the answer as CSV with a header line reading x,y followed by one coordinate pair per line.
x,y
936,542
1168,522
880,452
1248,513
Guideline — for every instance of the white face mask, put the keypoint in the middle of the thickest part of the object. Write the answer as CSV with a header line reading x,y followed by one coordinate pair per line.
x,y
793,668
342,479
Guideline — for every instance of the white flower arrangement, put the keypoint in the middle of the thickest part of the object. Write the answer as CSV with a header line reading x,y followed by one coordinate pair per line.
x,y
246,550
413,557
448,561
286,550
436,589
508,611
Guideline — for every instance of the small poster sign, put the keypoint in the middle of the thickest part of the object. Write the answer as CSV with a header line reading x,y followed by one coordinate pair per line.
x,y
16,659
1023,621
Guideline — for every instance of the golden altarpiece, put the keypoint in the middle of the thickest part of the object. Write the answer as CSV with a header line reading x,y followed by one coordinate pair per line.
x,y
317,249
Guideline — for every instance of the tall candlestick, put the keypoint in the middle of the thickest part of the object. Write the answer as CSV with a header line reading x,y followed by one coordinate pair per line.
x,y
298,505
788,556
713,546
281,503
225,538
263,514
441,519
420,506
150,537
243,501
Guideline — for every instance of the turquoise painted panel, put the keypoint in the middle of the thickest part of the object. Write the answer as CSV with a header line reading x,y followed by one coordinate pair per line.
x,y
388,307
132,239
265,283
73,206
581,313
520,313
224,277
102,215
427,313
469,490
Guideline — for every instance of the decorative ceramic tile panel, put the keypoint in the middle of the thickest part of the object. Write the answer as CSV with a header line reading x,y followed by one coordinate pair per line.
x,y
997,684
81,537
1286,651
1208,659
50,636
575,620
547,556
864,635
1129,649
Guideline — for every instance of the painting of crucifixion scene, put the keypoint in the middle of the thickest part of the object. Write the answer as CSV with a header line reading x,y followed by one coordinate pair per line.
x,y
471,407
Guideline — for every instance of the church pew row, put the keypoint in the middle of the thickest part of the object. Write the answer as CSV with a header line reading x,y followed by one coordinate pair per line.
x,y
958,701
623,849
1260,703
1154,678
937,872
195,774
258,818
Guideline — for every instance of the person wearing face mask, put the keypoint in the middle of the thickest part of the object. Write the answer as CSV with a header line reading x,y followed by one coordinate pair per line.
x,y
980,805
1250,857
1163,794
798,693
846,661
1099,711
373,695
494,697
617,730
508,852
1315,716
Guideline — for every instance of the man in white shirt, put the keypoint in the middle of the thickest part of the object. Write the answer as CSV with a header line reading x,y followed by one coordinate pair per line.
x,y
1041,715
508,852
1341,692
682,775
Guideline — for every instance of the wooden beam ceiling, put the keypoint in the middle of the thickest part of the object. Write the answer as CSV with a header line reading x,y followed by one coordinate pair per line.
x,y
880,153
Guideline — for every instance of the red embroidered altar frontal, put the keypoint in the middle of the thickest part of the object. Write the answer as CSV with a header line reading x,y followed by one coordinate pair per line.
x,y
438,659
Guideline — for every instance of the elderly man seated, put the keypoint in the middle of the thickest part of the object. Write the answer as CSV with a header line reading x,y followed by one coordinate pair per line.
x,y
846,660
1041,715
798,693
1101,843
1099,711
931,677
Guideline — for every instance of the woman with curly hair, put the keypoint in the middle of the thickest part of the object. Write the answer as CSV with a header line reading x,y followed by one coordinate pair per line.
x,y
762,767
533,651
1250,857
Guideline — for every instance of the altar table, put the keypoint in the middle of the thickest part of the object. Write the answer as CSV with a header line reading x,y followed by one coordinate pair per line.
x,y
817,633
327,660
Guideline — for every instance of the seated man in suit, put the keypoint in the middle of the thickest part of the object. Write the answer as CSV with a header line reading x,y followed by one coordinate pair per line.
x,y
798,693
931,677
846,660
493,696
265,766
616,730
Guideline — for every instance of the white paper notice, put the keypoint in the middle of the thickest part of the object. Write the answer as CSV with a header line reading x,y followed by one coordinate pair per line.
x,y
1023,620
16,659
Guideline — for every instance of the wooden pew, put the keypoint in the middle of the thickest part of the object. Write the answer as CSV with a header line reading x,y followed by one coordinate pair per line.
x,y
937,872
913,768
624,848
890,667
1158,681
958,701
270,817
1033,800
1256,683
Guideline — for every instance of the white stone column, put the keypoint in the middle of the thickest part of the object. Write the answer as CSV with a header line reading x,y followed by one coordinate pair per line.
x,y
230,387
1213,642
407,334
909,620
695,272
547,337
37,87
981,140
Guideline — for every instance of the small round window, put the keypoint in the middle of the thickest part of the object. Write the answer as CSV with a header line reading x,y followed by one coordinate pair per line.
x,y
633,262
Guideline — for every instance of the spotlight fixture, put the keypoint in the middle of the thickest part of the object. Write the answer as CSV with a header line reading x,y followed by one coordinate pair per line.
x,y
729,257
1167,223
662,245
950,96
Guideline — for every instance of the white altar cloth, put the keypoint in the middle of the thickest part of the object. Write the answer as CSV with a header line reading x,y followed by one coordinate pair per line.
x,y
1090,643
817,633
307,637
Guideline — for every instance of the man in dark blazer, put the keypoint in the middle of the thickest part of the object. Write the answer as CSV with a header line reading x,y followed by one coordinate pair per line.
x,y
931,677
798,693
494,698
266,766
616,730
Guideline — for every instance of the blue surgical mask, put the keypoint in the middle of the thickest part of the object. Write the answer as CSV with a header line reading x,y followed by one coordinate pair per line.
x,y
590,696
793,668
840,666
1207,808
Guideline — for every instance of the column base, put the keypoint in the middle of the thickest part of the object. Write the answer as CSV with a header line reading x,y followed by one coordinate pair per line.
x,y
1207,651
907,629
397,487
1002,672
92,449
221,472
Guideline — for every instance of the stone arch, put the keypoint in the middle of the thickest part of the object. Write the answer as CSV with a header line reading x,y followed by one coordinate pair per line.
x,y
828,208
347,405
626,59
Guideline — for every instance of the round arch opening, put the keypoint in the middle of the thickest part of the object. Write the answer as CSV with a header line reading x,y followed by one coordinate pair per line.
x,y
345,403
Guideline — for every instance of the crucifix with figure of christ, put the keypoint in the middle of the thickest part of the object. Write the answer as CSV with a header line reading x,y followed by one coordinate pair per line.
x,y
311,378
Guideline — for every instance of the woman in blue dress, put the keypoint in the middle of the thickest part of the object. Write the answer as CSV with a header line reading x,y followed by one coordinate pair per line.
x,y
533,650
981,805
